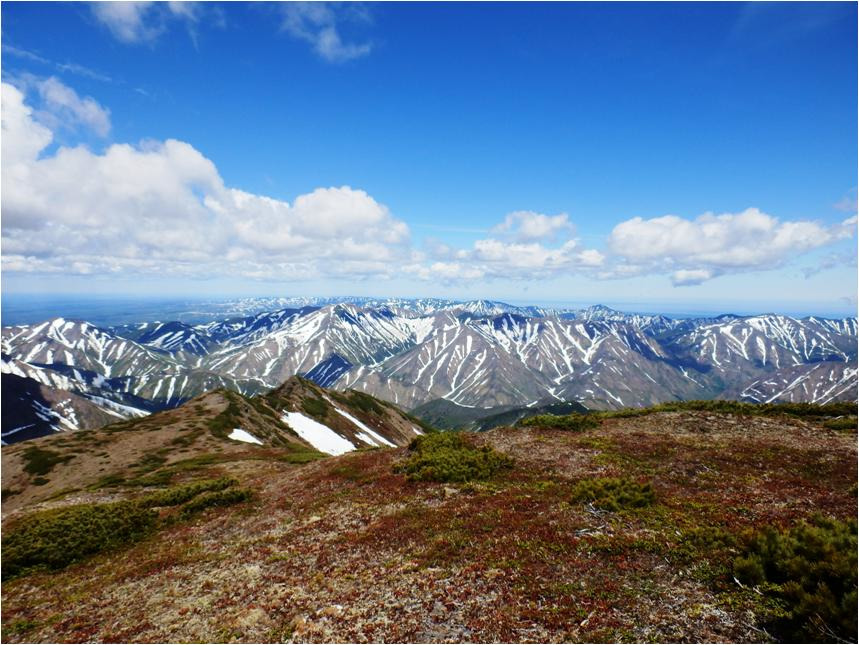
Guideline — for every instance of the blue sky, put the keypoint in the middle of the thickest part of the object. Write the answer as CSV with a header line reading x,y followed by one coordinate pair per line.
x,y
528,152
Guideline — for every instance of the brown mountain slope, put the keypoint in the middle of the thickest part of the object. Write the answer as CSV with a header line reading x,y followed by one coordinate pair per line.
x,y
345,549
201,429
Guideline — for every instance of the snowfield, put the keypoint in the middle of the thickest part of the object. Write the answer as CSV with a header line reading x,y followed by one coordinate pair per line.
x,y
243,435
317,435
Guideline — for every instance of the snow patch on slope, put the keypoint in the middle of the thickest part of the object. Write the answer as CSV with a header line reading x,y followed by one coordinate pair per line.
x,y
243,435
317,435
374,437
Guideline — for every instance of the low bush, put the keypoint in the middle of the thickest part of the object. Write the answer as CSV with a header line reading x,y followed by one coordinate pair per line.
x,y
360,401
59,537
841,423
229,418
613,494
302,457
572,422
40,461
835,409
811,570
226,497
181,494
448,457
317,408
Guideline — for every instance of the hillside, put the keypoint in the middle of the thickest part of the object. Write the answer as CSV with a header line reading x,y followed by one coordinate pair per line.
x,y
296,422
350,548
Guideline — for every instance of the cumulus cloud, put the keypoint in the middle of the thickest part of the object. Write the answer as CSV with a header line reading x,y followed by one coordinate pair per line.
x,y
317,24
528,225
694,251
162,207
519,256
23,137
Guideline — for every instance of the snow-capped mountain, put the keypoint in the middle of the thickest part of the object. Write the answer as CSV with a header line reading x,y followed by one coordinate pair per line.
x,y
814,383
481,353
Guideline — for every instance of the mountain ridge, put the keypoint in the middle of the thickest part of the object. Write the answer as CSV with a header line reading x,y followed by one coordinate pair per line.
x,y
483,354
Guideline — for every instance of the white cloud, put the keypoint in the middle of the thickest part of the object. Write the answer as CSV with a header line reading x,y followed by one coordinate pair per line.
x,y
72,68
64,104
688,277
528,225
129,22
162,208
317,24
23,138
143,22
710,245
523,258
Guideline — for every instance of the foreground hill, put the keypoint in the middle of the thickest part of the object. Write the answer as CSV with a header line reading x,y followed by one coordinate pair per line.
x,y
296,422
634,529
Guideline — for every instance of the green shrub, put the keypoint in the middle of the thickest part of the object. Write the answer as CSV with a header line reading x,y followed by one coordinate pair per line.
x,y
841,423
613,494
9,492
448,457
302,457
317,408
835,409
230,418
225,497
39,461
181,494
572,422
360,401
811,570
56,538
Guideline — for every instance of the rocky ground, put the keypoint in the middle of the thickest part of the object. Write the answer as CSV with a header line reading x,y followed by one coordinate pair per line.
x,y
343,549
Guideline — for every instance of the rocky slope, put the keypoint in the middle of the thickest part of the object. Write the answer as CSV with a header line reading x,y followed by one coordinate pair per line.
x,y
346,549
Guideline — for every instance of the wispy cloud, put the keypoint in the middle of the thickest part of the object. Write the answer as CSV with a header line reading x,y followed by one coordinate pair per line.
x,y
59,107
142,22
129,22
848,203
830,261
318,24
766,24
72,68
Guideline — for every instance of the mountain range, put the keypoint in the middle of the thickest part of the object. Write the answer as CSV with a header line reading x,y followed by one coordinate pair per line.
x,y
448,361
